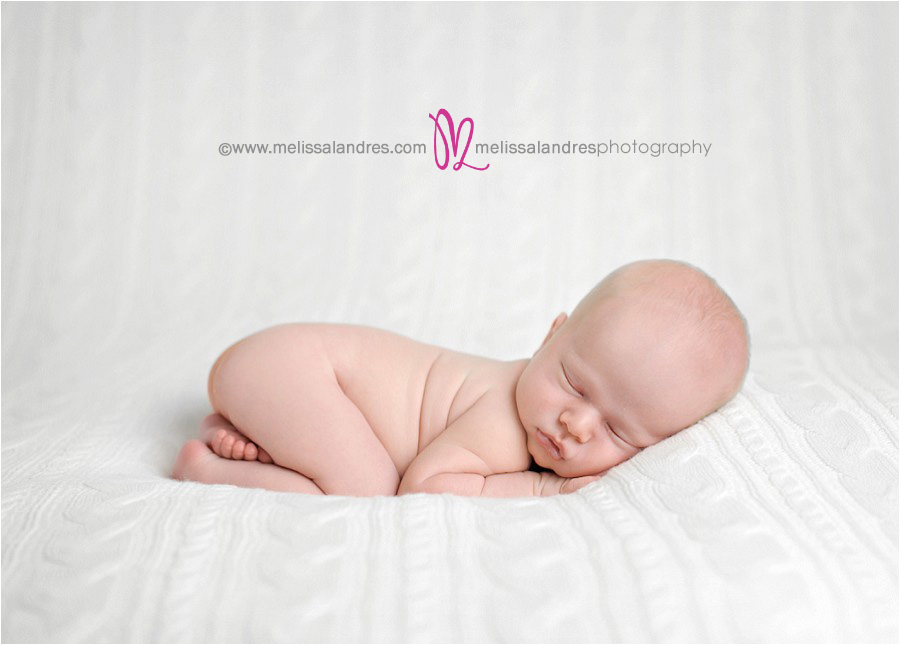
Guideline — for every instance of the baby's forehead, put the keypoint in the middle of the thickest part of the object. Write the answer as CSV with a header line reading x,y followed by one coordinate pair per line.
x,y
635,313
654,341
670,332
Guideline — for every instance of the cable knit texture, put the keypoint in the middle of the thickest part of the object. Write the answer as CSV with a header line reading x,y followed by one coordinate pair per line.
x,y
134,253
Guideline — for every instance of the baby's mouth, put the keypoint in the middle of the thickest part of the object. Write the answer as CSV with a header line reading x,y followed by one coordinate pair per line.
x,y
549,444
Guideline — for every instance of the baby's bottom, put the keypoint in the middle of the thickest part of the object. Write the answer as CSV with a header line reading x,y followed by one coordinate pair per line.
x,y
279,389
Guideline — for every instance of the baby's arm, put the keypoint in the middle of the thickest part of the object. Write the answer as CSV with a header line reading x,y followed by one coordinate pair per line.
x,y
523,484
452,463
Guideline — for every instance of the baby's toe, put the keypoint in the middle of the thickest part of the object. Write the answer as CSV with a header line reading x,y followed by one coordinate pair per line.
x,y
216,442
226,446
250,452
237,450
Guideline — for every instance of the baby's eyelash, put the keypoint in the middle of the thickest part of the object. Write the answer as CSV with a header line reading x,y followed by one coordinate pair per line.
x,y
617,436
569,381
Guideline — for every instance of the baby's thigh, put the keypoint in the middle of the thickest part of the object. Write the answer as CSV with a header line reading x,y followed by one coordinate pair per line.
x,y
278,387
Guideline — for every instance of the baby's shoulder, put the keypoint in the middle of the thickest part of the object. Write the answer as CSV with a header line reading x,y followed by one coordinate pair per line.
x,y
463,379
484,417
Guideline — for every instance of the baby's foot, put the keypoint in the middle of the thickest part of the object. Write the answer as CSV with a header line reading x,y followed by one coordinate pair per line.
x,y
192,461
227,441
231,444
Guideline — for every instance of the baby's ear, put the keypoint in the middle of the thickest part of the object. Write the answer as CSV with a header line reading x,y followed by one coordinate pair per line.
x,y
557,323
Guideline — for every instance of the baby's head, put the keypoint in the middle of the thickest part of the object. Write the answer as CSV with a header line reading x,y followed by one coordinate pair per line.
x,y
653,348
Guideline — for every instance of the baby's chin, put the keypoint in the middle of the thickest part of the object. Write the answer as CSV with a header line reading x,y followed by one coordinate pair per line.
x,y
570,471
538,467
536,461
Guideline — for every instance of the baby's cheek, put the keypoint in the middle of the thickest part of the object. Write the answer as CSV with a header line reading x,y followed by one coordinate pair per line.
x,y
619,460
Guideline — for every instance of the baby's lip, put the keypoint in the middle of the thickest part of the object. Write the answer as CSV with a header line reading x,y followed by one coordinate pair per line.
x,y
550,444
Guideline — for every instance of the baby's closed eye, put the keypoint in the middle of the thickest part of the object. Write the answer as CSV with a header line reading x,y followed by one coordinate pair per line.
x,y
569,381
620,439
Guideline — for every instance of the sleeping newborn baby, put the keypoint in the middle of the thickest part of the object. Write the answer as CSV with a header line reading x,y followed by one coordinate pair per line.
x,y
347,410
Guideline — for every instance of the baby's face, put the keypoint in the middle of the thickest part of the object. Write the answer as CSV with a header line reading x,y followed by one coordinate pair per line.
x,y
606,385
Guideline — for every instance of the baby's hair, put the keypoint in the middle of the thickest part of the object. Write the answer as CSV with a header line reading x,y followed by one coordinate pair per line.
x,y
691,295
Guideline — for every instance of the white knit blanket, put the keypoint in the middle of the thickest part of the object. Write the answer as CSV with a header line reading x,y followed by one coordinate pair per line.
x,y
133,253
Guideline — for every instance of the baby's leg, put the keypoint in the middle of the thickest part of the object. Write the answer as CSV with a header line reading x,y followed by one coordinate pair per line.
x,y
279,389
197,463
228,442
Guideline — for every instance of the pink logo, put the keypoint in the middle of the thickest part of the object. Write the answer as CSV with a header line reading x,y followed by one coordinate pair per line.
x,y
454,141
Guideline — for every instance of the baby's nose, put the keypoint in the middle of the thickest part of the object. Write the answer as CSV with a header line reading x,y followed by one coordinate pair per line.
x,y
578,424
581,432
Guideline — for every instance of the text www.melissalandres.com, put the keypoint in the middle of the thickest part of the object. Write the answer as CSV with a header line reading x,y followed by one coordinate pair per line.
x,y
611,147
330,148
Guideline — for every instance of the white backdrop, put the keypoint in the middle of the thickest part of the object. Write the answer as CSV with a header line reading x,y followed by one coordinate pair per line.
x,y
133,253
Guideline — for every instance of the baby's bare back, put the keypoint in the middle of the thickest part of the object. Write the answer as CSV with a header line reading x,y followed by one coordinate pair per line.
x,y
408,391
